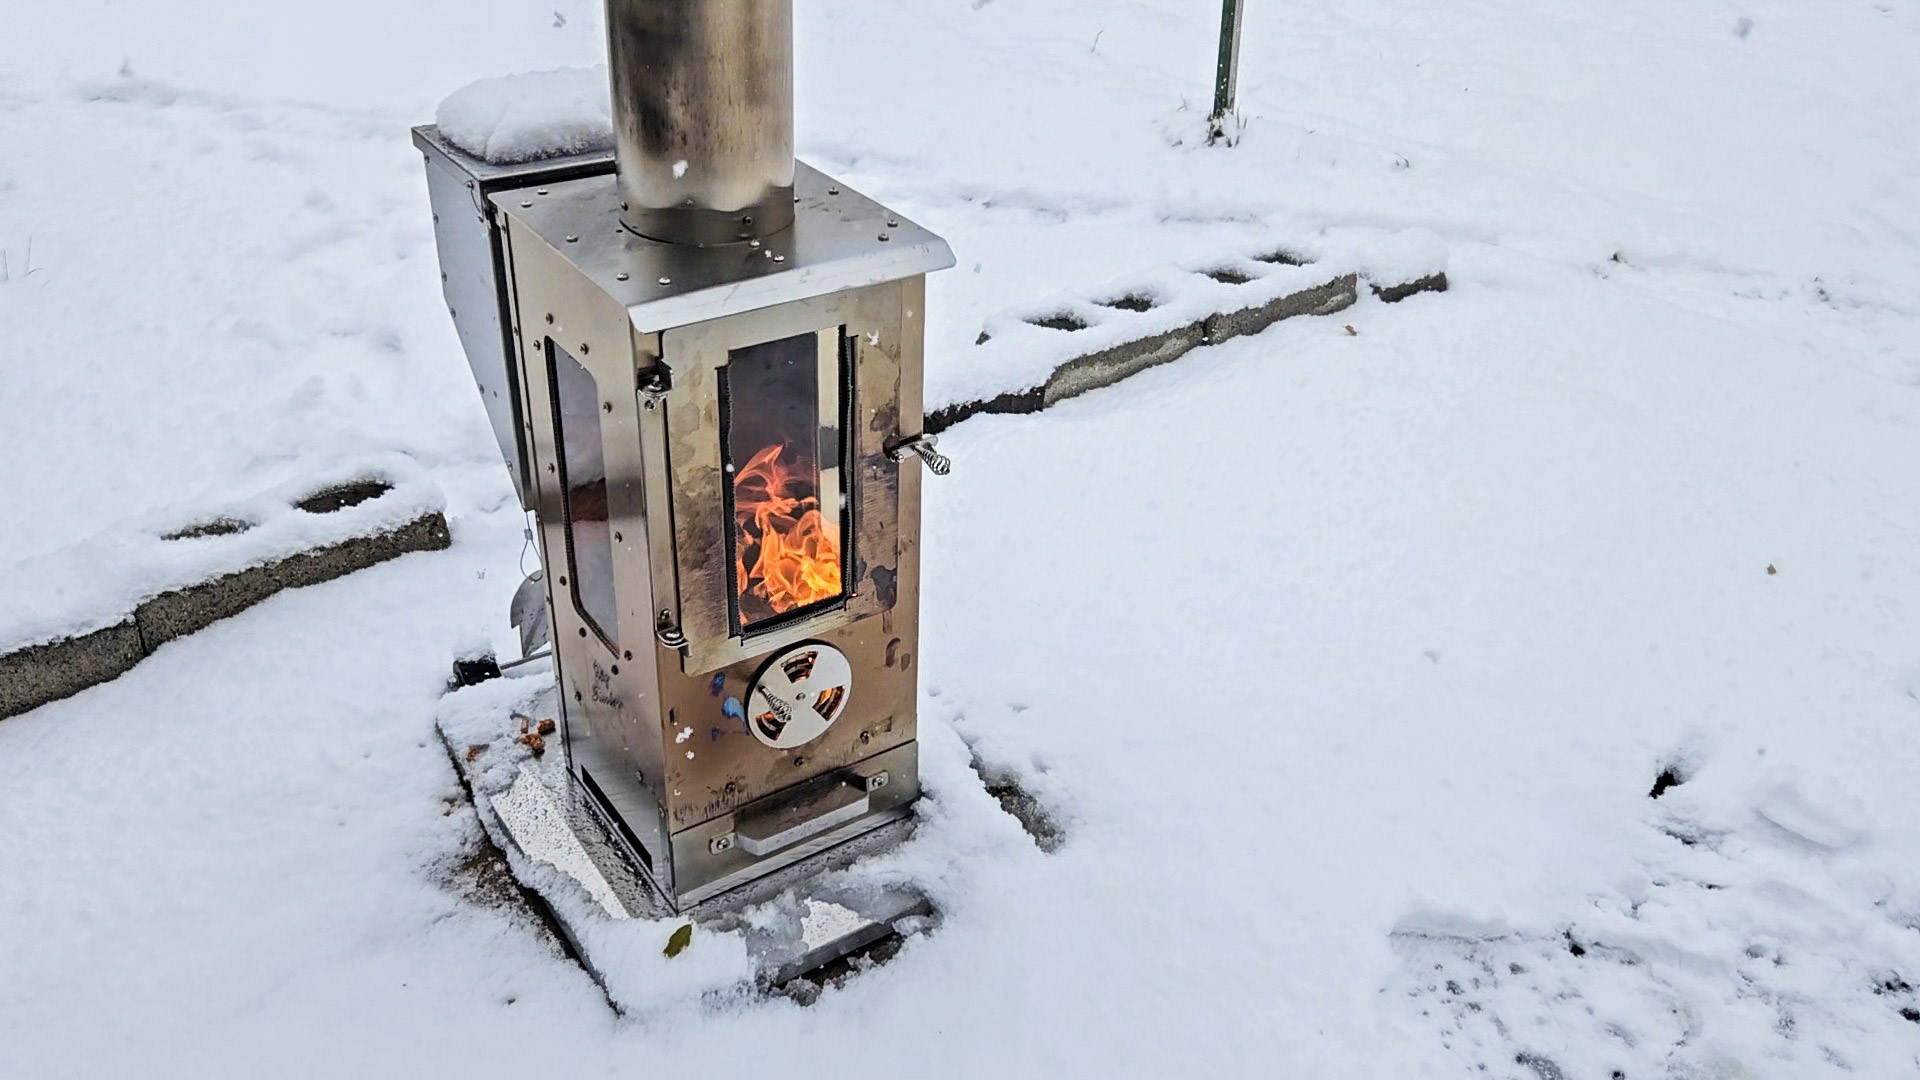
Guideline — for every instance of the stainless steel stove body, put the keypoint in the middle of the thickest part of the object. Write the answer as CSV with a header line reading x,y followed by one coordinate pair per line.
x,y
718,427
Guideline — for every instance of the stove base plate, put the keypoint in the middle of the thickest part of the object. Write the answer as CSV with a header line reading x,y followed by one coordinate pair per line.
x,y
795,921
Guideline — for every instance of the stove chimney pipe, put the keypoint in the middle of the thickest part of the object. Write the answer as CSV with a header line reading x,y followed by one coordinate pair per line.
x,y
703,117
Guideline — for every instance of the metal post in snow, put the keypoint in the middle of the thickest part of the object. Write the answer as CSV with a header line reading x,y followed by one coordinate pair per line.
x,y
1226,84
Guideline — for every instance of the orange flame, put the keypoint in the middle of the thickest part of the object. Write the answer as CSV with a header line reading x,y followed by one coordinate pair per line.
x,y
787,553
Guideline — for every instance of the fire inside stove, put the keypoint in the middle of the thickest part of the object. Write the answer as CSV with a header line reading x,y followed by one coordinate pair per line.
x,y
781,412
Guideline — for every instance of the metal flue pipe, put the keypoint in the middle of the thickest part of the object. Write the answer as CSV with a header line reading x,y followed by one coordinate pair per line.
x,y
703,117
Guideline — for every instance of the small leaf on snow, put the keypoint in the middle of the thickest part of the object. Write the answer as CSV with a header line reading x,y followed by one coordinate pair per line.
x,y
1351,332
678,943
1770,570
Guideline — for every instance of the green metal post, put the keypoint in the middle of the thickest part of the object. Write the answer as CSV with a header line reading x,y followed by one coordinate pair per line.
x,y
1227,85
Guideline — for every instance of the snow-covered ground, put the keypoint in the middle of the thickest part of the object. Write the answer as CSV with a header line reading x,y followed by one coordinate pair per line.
x,y
1347,660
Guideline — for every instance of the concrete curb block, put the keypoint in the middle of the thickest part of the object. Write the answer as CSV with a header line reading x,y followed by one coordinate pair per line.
x,y
35,676
1393,294
1108,366
1117,363
185,611
41,674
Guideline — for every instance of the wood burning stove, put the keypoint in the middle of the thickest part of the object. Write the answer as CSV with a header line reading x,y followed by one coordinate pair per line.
x,y
704,364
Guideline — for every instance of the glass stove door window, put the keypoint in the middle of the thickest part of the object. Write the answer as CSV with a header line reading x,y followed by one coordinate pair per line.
x,y
781,417
583,480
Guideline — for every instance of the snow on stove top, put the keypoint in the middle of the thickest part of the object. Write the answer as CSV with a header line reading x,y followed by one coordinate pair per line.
x,y
509,119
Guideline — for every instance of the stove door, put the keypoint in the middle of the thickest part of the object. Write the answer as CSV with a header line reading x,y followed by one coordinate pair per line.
x,y
786,508
783,407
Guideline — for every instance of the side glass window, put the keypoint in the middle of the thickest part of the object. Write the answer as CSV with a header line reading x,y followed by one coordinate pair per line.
x,y
781,408
583,479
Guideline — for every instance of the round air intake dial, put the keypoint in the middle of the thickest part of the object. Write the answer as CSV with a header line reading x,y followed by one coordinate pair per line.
x,y
798,695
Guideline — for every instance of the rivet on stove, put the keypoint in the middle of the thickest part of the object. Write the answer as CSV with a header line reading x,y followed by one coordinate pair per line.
x,y
549,318
884,237
833,191
893,223
573,239
666,281
524,203
541,191
779,258
621,276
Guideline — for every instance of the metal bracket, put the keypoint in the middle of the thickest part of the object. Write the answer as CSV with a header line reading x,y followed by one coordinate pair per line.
x,y
924,446
669,634
654,387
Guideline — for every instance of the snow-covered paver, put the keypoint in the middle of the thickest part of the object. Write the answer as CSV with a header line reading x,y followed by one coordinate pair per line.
x,y
1345,658
96,582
